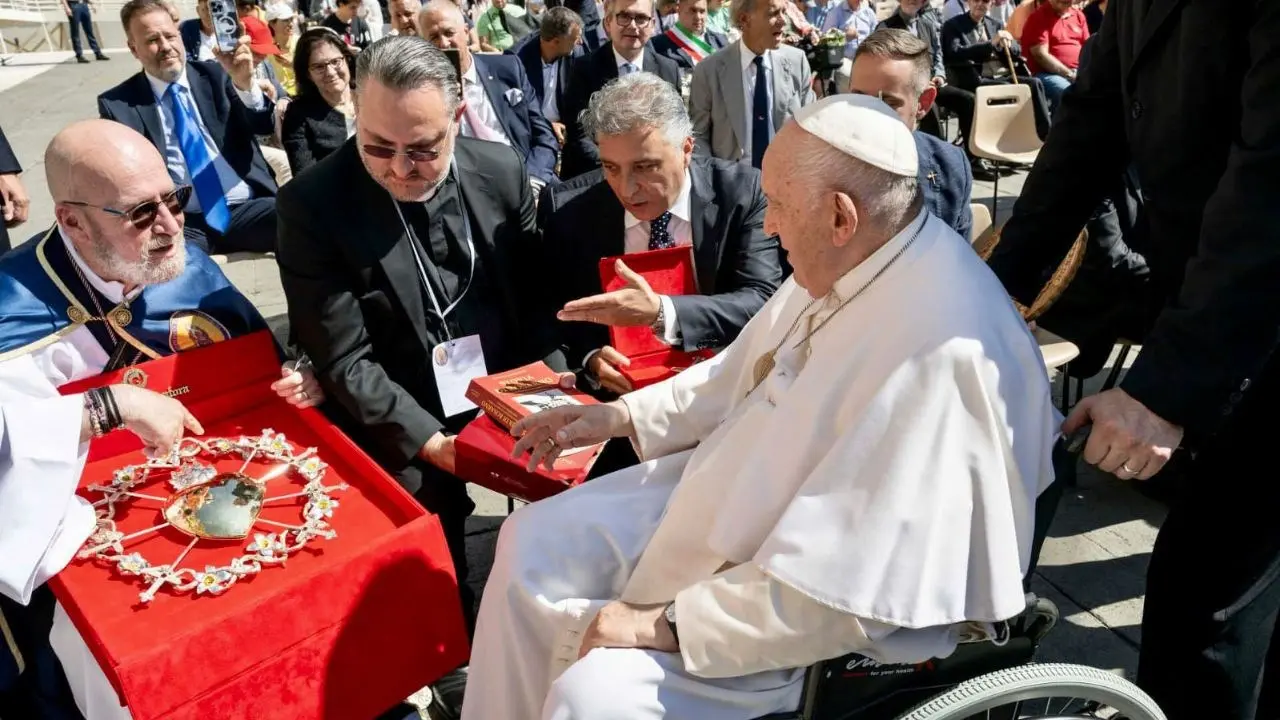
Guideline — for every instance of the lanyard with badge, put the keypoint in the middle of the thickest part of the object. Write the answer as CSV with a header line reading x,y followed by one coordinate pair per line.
x,y
456,361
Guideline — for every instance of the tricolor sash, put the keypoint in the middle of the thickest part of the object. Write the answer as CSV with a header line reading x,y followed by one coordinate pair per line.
x,y
697,48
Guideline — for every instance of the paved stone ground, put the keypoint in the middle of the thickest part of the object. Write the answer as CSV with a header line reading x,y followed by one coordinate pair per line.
x,y
1093,563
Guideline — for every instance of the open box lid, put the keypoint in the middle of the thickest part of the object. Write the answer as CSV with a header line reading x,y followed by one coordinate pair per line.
x,y
242,654
201,375
669,272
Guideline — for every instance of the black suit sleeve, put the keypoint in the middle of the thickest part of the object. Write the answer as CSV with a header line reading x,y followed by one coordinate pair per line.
x,y
1220,331
957,50
749,274
584,149
1082,159
327,322
8,160
261,121
296,138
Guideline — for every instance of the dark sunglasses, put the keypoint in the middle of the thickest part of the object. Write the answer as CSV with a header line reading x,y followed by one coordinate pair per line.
x,y
143,215
385,153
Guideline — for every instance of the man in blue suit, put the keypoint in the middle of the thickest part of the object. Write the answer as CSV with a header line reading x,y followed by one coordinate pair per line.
x,y
500,105
204,122
897,67
688,41
546,56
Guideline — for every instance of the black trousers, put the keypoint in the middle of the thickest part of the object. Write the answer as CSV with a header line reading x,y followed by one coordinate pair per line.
x,y
1213,593
252,229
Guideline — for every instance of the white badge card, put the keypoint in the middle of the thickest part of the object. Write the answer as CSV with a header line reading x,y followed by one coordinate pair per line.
x,y
456,363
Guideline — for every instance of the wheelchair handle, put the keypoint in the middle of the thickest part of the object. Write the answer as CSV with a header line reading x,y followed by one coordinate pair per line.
x,y
1075,441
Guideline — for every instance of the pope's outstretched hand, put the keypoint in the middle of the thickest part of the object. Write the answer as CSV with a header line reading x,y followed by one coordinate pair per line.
x,y
544,435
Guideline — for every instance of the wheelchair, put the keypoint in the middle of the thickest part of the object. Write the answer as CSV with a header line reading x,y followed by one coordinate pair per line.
x,y
990,679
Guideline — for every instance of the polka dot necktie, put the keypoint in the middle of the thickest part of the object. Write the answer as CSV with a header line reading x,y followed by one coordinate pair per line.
x,y
659,237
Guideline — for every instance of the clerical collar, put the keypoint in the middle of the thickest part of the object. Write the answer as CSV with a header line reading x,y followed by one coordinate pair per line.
x,y
680,209
111,290
620,61
160,87
851,281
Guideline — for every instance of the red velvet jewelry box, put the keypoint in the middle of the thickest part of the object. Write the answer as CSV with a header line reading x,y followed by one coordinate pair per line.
x,y
669,272
484,446
346,628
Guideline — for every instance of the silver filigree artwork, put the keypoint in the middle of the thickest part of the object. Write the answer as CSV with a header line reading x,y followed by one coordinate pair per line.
x,y
214,506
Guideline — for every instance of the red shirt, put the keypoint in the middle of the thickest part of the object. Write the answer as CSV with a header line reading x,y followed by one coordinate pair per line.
x,y
1064,35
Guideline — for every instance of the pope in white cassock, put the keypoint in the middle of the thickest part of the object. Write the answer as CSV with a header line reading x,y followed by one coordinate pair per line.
x,y
113,284
857,472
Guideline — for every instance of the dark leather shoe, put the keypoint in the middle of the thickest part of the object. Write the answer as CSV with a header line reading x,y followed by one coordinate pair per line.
x,y
446,695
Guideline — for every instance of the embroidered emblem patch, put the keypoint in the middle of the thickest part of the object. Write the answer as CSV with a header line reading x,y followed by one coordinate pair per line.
x,y
192,329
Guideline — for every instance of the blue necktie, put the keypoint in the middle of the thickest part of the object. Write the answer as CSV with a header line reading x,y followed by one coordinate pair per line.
x,y
759,114
204,176
626,69
659,238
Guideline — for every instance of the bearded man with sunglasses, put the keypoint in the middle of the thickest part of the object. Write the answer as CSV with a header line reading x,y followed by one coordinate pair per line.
x,y
112,284
405,258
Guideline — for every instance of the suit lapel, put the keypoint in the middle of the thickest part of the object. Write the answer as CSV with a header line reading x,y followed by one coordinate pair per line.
x,y
612,217
781,89
202,92
1158,14
735,100
704,216
148,111
493,90
392,247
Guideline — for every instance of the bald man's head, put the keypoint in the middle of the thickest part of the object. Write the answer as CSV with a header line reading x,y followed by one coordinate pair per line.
x,y
441,22
99,173
96,160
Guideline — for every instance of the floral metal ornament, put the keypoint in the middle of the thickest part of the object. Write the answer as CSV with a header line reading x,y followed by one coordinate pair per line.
x,y
213,506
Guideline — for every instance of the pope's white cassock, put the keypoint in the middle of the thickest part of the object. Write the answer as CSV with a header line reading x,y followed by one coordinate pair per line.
x,y
43,522
874,494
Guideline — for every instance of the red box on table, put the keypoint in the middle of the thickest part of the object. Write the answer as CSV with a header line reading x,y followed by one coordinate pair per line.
x,y
669,272
347,627
484,445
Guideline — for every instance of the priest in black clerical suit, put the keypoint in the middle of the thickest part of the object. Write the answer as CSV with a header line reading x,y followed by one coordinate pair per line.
x,y
357,303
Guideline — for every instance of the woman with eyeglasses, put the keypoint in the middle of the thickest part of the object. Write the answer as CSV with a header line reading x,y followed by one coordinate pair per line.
x,y
321,117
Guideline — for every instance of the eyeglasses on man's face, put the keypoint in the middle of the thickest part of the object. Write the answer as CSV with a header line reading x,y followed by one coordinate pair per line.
x,y
627,17
143,215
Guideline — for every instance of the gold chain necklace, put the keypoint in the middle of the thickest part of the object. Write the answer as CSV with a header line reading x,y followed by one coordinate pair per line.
x,y
119,315
766,362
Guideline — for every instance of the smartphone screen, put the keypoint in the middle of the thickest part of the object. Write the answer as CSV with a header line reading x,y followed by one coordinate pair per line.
x,y
226,24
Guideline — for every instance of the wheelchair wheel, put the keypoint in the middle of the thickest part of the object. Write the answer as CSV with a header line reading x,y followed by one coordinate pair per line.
x,y
1052,691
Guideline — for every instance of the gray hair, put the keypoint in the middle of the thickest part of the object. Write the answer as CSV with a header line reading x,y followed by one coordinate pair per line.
x,y
408,62
638,100
740,8
558,22
885,201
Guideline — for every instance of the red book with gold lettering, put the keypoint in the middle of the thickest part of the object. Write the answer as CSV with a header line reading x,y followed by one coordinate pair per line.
x,y
346,628
484,445
669,272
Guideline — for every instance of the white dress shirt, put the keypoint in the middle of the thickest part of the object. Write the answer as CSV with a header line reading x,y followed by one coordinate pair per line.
x,y
635,238
478,100
233,186
638,64
550,81
208,43
749,91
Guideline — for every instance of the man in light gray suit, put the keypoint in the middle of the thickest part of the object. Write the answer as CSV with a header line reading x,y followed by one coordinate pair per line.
x,y
741,95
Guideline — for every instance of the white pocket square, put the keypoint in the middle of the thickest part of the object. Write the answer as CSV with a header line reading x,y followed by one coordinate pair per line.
x,y
514,96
